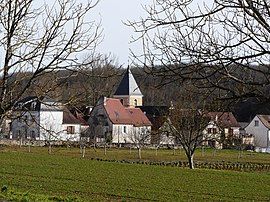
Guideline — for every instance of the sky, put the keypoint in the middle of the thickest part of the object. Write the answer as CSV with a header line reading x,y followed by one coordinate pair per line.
x,y
117,36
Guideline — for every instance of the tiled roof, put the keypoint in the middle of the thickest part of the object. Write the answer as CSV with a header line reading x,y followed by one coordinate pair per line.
x,y
226,119
116,111
69,118
138,117
128,85
118,114
81,118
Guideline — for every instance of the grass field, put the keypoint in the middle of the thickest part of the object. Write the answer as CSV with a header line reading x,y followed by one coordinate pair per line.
x,y
150,154
65,176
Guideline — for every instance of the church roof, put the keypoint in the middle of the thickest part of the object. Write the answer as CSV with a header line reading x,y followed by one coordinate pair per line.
x,y
128,85
116,111
118,114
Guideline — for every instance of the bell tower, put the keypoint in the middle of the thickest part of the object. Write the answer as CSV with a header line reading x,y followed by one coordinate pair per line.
x,y
128,91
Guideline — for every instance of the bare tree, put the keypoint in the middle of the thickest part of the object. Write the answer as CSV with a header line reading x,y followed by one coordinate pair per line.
x,y
37,42
140,137
98,78
219,44
187,126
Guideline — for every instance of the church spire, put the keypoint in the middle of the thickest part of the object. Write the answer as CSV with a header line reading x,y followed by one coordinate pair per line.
x,y
128,90
128,85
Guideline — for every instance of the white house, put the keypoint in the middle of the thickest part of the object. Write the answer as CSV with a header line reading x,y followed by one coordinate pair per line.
x,y
45,120
260,128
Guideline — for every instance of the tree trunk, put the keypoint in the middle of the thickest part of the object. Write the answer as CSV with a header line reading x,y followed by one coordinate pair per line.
x,y
20,142
130,150
105,150
190,161
156,151
83,152
29,147
202,151
140,153
214,152
240,153
50,148
81,148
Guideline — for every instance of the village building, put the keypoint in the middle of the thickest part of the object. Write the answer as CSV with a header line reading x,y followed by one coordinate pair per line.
x,y
5,127
160,131
259,127
222,130
116,120
82,114
44,120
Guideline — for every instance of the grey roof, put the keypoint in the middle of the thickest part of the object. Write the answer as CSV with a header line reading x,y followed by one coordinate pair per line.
x,y
51,106
265,119
128,85
33,103
243,124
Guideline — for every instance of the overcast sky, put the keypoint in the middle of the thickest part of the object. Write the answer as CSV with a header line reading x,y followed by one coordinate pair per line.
x,y
117,36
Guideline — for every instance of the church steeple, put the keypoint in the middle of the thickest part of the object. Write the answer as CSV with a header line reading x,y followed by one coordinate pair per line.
x,y
128,91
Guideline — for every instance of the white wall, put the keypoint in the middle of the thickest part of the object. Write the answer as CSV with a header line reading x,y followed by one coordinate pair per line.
x,y
260,132
47,125
51,125
118,134
141,133
166,139
132,134
70,137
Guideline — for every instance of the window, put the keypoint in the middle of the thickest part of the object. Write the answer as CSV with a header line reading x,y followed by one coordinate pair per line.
x,y
135,102
122,101
125,129
70,129
209,130
33,105
214,130
33,136
20,105
256,123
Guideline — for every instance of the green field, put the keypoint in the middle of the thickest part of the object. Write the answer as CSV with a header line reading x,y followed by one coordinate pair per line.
x,y
150,154
63,175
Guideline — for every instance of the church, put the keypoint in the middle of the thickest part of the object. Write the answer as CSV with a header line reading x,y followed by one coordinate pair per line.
x,y
119,120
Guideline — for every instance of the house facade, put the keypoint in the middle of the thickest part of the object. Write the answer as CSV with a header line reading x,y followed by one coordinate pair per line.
x,y
117,120
111,122
222,129
259,127
44,120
